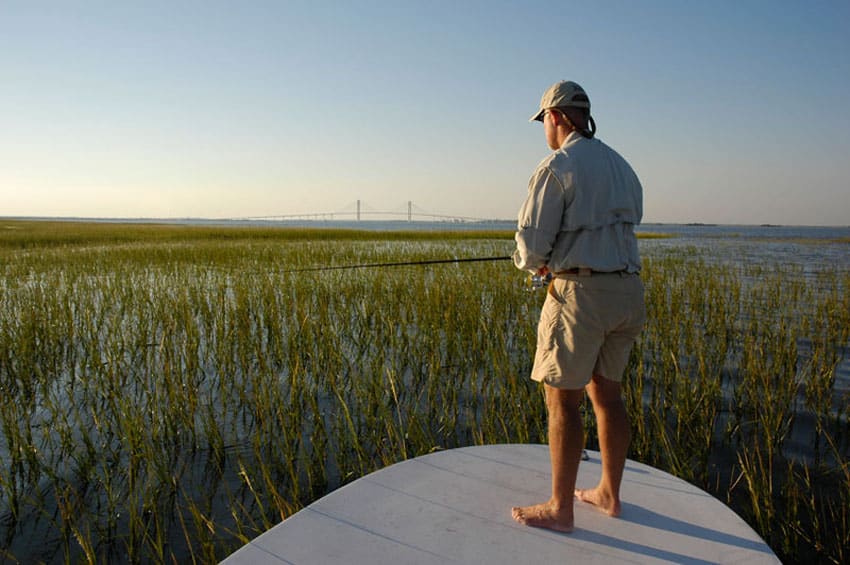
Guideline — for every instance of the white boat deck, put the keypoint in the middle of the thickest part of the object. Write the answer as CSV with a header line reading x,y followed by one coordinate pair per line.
x,y
454,507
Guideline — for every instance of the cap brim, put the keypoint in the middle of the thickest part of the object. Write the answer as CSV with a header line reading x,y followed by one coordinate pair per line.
x,y
538,117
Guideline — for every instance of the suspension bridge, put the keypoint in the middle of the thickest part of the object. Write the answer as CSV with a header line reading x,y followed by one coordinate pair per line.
x,y
359,210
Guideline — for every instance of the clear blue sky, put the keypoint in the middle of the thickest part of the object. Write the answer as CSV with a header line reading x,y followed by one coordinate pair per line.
x,y
730,112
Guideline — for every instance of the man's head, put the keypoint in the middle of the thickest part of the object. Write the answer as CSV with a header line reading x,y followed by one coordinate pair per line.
x,y
569,106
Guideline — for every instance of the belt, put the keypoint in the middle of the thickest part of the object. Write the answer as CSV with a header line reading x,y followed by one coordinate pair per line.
x,y
587,272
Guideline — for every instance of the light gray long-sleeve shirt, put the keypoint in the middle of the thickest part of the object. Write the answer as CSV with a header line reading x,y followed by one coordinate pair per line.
x,y
582,205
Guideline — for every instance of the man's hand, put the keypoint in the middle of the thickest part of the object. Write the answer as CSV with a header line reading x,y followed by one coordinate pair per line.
x,y
543,271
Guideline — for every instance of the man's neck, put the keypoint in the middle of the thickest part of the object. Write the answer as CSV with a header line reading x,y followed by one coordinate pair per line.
x,y
563,134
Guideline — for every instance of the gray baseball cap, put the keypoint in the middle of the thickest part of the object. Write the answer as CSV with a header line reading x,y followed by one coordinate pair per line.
x,y
560,95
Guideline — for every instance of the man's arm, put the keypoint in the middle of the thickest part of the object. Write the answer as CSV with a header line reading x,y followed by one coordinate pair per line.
x,y
539,222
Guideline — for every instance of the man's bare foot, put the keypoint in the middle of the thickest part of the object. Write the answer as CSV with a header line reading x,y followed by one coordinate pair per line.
x,y
546,515
601,499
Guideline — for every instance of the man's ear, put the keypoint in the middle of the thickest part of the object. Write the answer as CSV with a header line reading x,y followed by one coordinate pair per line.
x,y
561,119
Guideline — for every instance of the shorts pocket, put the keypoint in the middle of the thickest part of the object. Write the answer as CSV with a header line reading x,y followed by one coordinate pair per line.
x,y
560,289
550,323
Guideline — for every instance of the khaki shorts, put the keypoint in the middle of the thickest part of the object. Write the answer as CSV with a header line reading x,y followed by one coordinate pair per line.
x,y
588,326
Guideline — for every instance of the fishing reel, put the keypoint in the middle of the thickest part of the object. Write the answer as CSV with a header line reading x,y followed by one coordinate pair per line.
x,y
539,281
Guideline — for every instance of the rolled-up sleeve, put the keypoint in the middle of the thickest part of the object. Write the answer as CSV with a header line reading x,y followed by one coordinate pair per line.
x,y
539,220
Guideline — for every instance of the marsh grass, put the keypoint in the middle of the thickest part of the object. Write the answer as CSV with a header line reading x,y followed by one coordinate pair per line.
x,y
168,393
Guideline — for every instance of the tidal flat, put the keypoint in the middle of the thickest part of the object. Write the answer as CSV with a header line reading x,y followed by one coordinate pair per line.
x,y
169,392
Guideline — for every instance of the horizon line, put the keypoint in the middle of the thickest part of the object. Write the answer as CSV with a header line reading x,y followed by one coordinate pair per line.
x,y
302,218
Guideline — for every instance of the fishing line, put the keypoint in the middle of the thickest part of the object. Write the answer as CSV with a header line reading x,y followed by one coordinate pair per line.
x,y
398,264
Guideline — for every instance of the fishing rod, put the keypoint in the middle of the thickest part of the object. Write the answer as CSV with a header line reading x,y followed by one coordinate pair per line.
x,y
399,264
535,281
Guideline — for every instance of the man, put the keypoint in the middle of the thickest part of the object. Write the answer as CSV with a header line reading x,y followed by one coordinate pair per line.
x,y
577,223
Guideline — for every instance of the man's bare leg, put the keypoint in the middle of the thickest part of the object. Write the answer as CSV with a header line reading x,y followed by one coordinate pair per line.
x,y
614,436
566,439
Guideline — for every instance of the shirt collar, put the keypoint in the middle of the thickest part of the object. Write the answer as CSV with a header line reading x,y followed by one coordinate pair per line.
x,y
572,138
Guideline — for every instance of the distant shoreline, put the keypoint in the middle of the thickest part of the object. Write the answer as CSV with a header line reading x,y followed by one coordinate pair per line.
x,y
366,224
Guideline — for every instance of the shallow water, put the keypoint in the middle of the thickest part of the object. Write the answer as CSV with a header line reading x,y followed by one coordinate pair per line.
x,y
752,254
807,251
